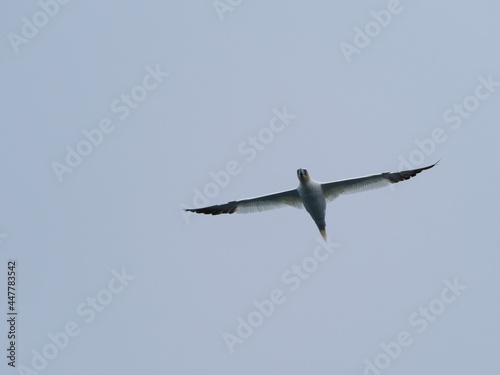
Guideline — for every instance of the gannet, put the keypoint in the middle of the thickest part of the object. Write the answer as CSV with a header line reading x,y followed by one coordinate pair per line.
x,y
311,195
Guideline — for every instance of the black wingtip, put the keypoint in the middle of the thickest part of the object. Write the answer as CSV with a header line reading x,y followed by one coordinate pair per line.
x,y
406,175
213,210
430,166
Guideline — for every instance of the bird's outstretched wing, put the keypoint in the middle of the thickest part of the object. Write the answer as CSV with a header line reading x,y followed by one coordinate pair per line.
x,y
263,203
333,189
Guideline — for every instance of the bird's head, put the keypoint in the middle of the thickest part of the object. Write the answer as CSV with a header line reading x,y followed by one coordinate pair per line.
x,y
303,175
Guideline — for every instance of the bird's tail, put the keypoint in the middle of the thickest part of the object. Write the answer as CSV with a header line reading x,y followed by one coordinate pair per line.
x,y
323,233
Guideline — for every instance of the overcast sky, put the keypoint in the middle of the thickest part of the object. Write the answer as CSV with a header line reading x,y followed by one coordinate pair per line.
x,y
119,114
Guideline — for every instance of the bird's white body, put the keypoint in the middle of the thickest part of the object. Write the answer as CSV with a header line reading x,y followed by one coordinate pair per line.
x,y
311,195
313,199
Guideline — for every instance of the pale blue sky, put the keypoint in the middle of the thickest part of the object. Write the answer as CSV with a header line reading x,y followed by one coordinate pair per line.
x,y
138,105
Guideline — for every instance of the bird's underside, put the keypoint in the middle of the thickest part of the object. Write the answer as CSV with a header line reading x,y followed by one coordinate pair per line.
x,y
310,194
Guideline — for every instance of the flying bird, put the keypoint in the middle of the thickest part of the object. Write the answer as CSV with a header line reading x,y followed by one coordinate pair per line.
x,y
311,195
